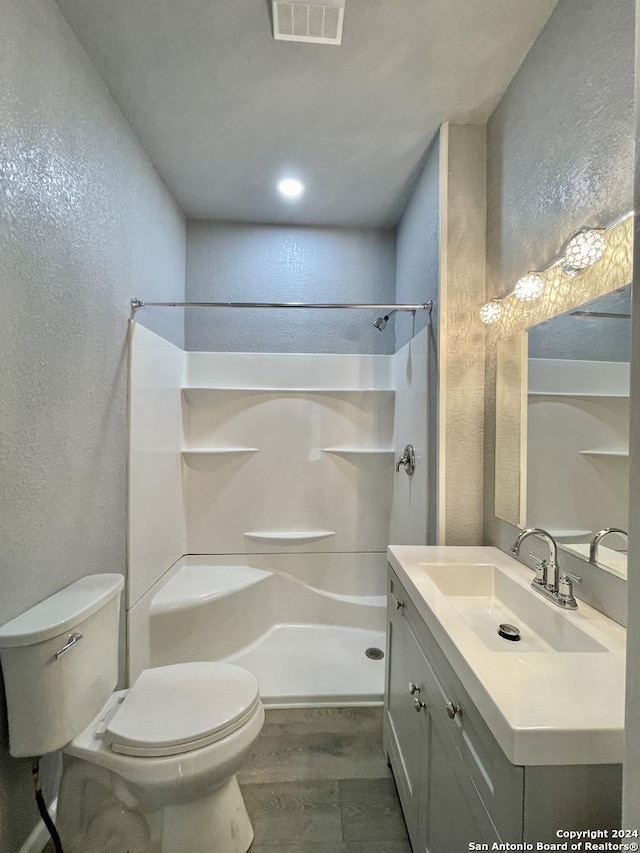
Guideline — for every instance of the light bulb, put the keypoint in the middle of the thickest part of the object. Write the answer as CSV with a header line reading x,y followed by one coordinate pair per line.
x,y
529,287
583,250
290,187
491,312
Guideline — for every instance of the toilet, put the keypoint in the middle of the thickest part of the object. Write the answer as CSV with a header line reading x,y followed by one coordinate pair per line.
x,y
151,769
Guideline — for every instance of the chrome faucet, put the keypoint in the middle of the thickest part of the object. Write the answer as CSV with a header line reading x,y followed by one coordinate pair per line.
x,y
549,581
547,570
597,539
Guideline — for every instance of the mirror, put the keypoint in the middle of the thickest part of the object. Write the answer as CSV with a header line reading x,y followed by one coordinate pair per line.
x,y
562,391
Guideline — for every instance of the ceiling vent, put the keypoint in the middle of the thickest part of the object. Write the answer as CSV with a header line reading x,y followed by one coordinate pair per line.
x,y
317,23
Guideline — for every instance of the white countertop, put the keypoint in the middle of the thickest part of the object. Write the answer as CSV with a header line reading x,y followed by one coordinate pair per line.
x,y
542,707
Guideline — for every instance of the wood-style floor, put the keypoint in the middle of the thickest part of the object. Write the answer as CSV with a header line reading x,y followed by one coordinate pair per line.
x,y
317,782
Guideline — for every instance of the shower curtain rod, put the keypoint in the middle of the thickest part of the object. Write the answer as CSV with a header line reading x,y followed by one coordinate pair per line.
x,y
137,304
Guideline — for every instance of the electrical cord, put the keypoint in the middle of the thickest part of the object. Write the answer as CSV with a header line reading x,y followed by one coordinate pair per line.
x,y
42,807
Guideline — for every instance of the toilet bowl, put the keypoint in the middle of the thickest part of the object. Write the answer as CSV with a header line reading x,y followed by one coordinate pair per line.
x,y
154,772
150,769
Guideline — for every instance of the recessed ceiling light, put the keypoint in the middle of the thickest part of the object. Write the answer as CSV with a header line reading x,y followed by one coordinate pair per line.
x,y
290,188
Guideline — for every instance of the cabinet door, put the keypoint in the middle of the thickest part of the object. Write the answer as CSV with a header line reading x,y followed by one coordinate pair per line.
x,y
406,723
456,815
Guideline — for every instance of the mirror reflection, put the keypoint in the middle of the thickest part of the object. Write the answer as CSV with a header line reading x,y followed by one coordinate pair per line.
x,y
574,439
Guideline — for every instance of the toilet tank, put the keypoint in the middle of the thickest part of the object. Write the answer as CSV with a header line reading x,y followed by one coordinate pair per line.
x,y
60,663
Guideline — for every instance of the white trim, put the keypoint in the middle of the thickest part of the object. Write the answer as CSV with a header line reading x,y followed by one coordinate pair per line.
x,y
40,834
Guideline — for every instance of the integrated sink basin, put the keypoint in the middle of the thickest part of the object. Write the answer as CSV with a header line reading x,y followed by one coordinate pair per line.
x,y
485,597
556,696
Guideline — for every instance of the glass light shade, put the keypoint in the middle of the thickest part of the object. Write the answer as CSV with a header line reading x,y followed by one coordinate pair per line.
x,y
529,287
491,312
583,250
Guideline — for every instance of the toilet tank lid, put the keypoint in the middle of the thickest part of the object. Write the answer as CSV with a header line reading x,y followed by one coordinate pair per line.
x,y
61,611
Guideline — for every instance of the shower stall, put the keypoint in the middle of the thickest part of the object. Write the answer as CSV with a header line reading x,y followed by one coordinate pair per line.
x,y
263,492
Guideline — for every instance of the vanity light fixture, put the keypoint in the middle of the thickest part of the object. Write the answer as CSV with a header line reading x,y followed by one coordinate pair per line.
x,y
583,250
290,188
529,287
491,312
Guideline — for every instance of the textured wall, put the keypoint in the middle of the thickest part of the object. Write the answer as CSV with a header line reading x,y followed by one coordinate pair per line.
x,y
560,155
561,140
417,280
462,285
258,263
84,222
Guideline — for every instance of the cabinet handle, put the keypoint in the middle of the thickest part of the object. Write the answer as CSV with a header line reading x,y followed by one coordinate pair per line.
x,y
453,710
399,604
418,704
414,688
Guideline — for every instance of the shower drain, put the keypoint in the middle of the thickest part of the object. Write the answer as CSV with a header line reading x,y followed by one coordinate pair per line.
x,y
374,654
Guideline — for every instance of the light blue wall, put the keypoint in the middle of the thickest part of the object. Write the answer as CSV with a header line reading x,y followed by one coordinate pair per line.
x,y
417,280
262,263
418,246
560,143
85,223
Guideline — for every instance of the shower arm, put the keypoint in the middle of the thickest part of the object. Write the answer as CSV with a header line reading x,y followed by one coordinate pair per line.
x,y
137,304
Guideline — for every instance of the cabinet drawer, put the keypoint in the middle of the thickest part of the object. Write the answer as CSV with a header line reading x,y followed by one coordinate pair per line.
x,y
499,783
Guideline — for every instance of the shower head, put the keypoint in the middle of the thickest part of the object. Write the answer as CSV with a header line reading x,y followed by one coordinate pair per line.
x,y
381,322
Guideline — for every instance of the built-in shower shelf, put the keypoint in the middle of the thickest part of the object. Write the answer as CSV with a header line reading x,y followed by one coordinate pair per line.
x,y
620,453
204,458
581,395
295,537
360,451
194,393
561,533
217,451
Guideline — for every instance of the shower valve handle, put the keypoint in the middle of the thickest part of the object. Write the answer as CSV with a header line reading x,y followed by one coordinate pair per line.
x,y
408,460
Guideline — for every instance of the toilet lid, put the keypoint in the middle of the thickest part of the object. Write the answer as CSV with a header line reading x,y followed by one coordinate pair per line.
x,y
173,709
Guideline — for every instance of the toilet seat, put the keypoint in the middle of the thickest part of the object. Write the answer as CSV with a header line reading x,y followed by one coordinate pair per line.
x,y
179,708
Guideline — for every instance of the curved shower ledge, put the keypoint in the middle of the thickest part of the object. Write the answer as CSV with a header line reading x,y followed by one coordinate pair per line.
x,y
201,585
197,586
294,536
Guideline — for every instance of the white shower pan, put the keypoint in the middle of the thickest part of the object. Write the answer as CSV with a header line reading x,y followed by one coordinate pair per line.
x,y
302,623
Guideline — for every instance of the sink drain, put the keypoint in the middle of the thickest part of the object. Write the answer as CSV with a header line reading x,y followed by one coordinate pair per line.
x,y
509,632
374,654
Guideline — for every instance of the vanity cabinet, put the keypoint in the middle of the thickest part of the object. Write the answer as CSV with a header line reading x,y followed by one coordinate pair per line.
x,y
455,783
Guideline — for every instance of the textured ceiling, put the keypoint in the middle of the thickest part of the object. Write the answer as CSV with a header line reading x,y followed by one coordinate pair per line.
x,y
224,110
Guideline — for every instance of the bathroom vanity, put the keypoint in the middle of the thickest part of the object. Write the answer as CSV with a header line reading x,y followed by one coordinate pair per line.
x,y
492,739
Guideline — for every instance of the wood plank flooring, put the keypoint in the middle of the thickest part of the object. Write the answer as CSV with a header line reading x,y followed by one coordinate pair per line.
x,y
318,782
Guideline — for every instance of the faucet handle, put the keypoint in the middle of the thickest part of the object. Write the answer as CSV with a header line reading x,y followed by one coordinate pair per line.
x,y
540,569
574,578
565,592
